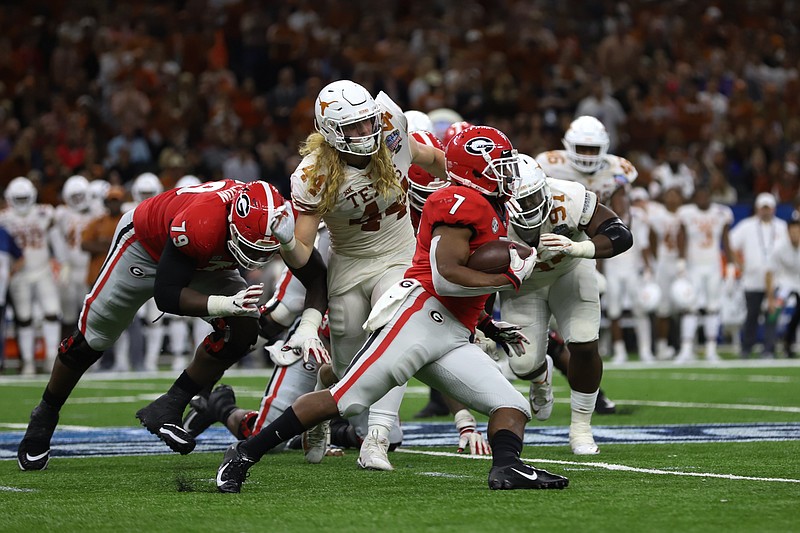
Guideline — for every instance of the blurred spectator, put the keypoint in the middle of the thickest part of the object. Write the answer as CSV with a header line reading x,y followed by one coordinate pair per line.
x,y
605,108
241,164
753,240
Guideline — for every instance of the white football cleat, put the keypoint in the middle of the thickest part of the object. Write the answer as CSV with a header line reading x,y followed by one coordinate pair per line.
x,y
581,440
315,442
686,355
541,393
711,353
373,454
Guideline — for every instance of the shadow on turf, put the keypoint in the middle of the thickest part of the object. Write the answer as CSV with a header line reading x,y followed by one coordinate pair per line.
x,y
184,484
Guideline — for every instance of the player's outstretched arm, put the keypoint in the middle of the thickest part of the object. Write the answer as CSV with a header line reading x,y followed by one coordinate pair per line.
x,y
429,158
608,236
296,236
171,290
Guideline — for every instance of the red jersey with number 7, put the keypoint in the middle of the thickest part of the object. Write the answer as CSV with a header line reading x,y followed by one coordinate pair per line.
x,y
461,207
195,218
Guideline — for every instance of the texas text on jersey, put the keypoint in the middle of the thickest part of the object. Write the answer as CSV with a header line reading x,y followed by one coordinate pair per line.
x,y
192,217
462,207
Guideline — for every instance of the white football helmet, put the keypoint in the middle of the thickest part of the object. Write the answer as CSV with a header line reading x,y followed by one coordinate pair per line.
x,y
75,193
418,121
187,181
648,296
344,103
21,195
588,132
146,186
532,200
442,118
97,192
682,294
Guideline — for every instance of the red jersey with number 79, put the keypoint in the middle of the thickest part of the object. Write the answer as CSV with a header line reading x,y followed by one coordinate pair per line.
x,y
461,207
195,218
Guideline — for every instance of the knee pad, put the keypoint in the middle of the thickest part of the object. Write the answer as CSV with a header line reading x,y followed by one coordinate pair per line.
x,y
232,338
76,353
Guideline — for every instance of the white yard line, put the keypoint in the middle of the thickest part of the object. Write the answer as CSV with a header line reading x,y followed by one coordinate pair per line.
x,y
609,466
3,488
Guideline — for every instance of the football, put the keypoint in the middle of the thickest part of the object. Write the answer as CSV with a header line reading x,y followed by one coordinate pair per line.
x,y
493,257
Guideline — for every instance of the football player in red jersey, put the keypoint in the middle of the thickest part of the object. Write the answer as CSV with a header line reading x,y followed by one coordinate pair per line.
x,y
440,301
182,247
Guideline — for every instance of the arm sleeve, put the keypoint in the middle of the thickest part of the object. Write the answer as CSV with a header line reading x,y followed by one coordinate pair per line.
x,y
174,272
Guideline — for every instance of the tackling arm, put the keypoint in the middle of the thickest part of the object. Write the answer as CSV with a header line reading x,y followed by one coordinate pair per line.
x,y
608,234
297,251
429,158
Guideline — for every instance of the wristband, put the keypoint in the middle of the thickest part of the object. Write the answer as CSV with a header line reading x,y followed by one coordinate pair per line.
x,y
217,305
289,246
583,249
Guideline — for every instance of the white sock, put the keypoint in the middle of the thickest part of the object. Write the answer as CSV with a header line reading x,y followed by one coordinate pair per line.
x,y
51,331
25,342
711,327
381,421
688,327
644,338
582,407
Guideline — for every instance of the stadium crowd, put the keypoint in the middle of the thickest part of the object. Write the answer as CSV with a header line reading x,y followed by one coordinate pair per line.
x,y
698,92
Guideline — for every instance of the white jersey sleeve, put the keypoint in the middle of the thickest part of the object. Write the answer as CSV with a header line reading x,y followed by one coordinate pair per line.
x,y
614,173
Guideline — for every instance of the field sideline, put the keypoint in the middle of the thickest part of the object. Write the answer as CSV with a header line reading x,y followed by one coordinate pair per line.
x,y
692,448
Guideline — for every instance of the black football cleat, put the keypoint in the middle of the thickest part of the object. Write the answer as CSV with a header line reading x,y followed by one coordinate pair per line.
x,y
162,418
603,405
34,449
198,418
204,411
234,469
522,476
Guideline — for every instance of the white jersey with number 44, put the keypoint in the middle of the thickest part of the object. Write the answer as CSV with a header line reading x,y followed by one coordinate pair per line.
x,y
363,225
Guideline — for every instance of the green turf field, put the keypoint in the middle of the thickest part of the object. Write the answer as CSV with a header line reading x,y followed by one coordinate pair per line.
x,y
713,485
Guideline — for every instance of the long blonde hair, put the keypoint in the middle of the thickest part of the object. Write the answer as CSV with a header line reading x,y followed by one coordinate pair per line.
x,y
328,170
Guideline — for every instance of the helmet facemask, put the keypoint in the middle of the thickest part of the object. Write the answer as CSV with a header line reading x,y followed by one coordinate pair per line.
x,y
352,144
532,201
505,171
250,255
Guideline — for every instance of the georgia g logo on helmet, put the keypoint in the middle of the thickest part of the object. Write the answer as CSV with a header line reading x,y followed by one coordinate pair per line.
x,y
479,146
243,205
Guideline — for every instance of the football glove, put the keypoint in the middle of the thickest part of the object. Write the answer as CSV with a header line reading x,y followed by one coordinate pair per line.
x,y
282,357
305,339
559,243
282,226
508,336
486,344
243,303
469,437
520,269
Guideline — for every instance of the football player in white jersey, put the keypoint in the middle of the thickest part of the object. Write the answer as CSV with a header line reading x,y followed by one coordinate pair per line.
x,y
354,177
567,224
665,225
29,223
146,186
585,159
704,231
70,218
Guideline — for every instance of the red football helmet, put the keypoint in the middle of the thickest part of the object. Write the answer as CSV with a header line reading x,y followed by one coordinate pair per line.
x,y
481,157
453,130
421,182
253,209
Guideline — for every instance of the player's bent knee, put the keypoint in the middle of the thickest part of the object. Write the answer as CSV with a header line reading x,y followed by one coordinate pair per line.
x,y
526,363
352,409
75,352
232,338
